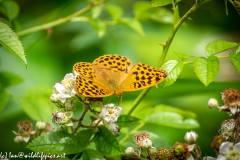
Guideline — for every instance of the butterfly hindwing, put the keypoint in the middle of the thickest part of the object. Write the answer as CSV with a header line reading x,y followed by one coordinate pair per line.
x,y
143,76
91,88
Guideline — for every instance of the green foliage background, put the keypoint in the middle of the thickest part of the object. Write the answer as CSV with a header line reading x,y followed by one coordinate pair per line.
x,y
51,54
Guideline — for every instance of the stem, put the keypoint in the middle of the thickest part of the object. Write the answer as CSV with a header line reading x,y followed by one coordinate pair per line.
x,y
59,21
165,50
85,109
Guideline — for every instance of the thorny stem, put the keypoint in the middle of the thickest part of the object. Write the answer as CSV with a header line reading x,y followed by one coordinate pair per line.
x,y
59,21
166,46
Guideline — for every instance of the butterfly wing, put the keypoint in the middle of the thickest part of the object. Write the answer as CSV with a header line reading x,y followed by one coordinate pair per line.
x,y
83,69
91,88
143,76
115,66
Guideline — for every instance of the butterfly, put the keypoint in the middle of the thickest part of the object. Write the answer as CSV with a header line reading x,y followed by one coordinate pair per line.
x,y
114,74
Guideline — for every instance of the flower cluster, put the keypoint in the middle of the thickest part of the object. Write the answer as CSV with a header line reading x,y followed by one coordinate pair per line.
x,y
178,151
26,131
227,144
64,93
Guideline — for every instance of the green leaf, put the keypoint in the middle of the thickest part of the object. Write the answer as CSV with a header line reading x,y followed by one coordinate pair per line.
x,y
4,98
235,59
99,26
106,143
140,8
37,104
237,49
218,46
56,143
172,117
174,68
91,154
127,121
236,5
10,41
84,136
133,24
96,11
9,8
206,69
114,11
9,79
158,3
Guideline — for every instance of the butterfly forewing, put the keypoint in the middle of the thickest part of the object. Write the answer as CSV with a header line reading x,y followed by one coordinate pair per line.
x,y
143,76
91,88
83,69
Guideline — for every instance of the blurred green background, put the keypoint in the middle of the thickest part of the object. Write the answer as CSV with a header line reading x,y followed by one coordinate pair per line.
x,y
51,54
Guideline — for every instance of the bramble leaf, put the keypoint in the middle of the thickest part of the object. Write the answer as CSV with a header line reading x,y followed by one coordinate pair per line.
x,y
10,41
235,59
206,69
106,143
218,46
174,68
91,154
172,117
56,143
127,121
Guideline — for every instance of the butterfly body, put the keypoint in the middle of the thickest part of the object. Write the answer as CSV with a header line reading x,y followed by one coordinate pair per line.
x,y
114,74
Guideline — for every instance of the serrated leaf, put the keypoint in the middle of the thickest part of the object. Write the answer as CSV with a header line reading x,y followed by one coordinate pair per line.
x,y
99,26
133,24
84,136
91,154
56,143
206,69
9,8
158,3
127,121
174,68
172,117
10,41
106,143
37,104
218,46
4,98
9,79
235,60
114,11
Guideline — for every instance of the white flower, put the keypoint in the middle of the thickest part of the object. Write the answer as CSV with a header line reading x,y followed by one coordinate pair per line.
x,y
62,118
229,151
191,137
64,89
110,113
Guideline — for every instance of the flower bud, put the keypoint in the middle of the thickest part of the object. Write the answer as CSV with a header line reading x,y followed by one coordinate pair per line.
x,y
191,137
152,151
41,125
18,139
146,144
212,103
129,152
